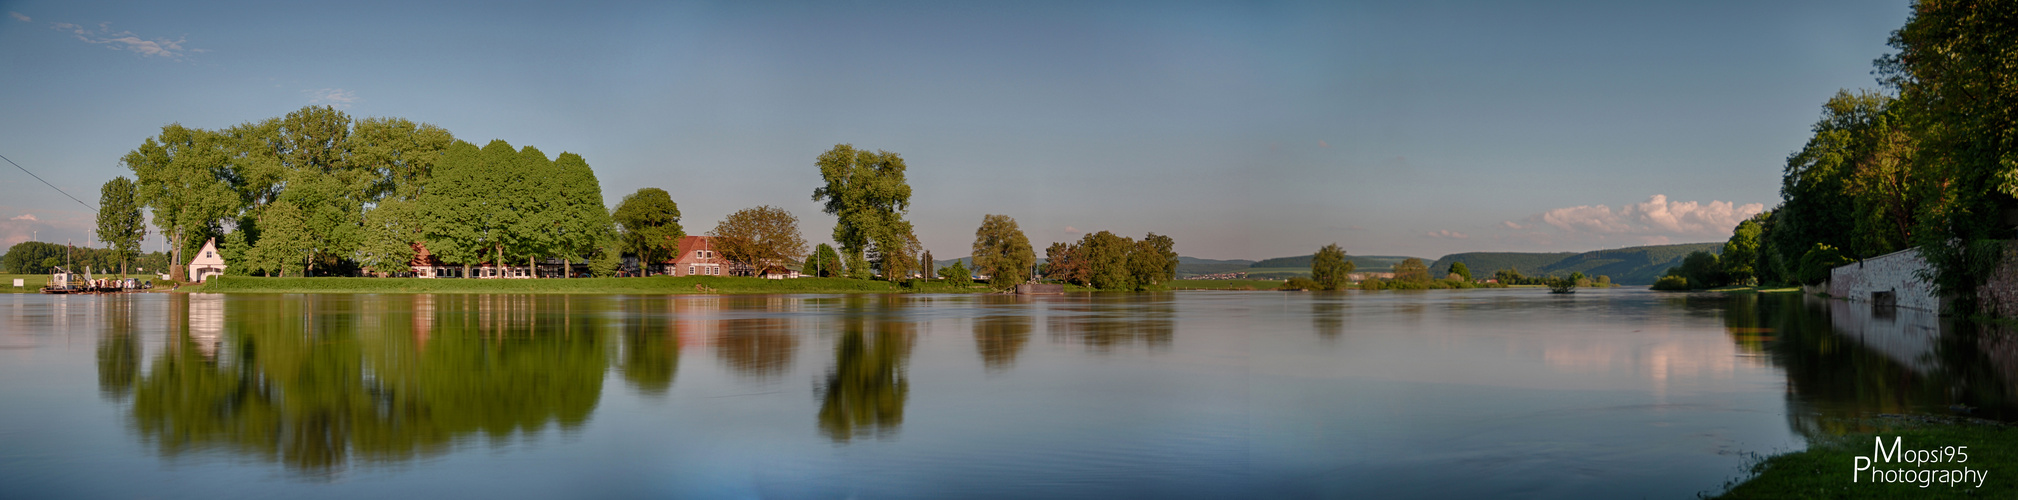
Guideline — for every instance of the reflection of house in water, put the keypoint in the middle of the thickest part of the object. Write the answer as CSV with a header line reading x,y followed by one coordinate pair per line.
x,y
206,322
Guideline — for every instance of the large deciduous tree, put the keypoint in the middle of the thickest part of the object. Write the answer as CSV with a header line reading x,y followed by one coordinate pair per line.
x,y
759,237
462,220
867,194
651,226
184,177
119,221
1329,268
1153,261
1002,252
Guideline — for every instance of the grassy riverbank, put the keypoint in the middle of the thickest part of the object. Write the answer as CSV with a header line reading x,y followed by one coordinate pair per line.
x,y
650,285
1824,469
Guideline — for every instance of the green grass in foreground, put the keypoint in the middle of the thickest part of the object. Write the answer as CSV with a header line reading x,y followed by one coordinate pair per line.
x,y
651,285
1824,469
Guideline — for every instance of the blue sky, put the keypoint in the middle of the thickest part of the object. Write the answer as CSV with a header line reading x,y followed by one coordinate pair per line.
x,y
1244,131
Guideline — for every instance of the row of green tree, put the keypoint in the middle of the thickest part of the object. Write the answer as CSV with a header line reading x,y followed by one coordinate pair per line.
x,y
1107,261
1929,161
37,257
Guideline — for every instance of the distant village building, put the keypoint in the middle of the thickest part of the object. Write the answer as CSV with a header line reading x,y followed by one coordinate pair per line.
x,y
207,262
698,258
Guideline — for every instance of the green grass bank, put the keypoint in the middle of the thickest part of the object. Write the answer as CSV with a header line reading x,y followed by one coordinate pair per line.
x,y
1824,469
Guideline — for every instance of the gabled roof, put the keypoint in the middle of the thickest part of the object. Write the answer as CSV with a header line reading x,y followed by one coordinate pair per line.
x,y
208,256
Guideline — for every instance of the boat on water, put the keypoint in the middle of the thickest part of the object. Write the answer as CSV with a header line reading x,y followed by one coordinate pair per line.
x,y
65,282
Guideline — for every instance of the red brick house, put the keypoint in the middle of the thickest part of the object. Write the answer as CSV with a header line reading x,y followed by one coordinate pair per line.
x,y
698,257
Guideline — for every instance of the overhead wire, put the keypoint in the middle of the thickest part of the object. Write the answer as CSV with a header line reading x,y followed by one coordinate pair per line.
x,y
46,183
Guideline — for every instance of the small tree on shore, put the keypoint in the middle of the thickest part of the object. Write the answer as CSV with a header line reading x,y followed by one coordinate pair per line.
x,y
1329,269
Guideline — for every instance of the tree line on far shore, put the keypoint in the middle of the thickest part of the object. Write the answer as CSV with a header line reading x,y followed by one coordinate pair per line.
x,y
317,192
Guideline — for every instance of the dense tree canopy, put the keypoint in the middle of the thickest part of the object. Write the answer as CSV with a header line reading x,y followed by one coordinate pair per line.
x,y
1109,262
1002,252
120,223
759,237
1329,269
651,225
867,194
823,263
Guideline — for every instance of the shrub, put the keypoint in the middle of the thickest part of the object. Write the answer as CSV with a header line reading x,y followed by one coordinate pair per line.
x,y
1671,282
1301,284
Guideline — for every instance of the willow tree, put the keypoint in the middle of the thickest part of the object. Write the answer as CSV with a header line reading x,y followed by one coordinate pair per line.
x,y
1002,252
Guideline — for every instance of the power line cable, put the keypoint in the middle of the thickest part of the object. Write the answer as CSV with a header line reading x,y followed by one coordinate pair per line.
x,y
46,183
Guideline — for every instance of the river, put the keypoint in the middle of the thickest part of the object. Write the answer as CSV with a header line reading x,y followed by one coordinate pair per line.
x,y
1469,393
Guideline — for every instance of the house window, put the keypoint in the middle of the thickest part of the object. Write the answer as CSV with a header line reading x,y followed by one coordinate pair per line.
x,y
690,269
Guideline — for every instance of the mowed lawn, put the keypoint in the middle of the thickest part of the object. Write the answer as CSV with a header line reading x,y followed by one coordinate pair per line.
x,y
31,283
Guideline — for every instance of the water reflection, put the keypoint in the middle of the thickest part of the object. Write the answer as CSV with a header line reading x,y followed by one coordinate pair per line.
x,y
1327,317
651,352
865,393
118,349
1844,360
309,382
755,338
999,334
1104,322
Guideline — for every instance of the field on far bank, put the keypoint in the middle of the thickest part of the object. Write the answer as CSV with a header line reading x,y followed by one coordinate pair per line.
x,y
1224,284
31,283
649,285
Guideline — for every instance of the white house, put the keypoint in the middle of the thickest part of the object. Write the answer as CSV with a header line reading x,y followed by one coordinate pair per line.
x,y
207,263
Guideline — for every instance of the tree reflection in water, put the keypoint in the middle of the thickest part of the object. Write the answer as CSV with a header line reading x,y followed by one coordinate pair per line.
x,y
1105,321
864,395
755,339
1000,333
1845,361
1327,316
308,382
651,350
118,348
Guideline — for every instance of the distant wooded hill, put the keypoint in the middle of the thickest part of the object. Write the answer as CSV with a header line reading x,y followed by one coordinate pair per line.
x,y
1626,266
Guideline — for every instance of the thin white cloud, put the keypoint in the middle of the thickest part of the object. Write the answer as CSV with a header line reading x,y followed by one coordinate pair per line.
x,y
125,40
332,97
1657,220
1071,229
1447,234
27,217
19,17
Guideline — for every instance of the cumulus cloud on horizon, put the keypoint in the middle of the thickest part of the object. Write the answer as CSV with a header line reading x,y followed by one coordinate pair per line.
x,y
1655,221
1446,233
26,217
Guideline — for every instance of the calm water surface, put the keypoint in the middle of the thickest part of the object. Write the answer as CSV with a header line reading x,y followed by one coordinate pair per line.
x,y
1482,393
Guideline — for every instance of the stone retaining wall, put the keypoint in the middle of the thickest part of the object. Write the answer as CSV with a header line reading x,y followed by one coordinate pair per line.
x,y
1892,279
